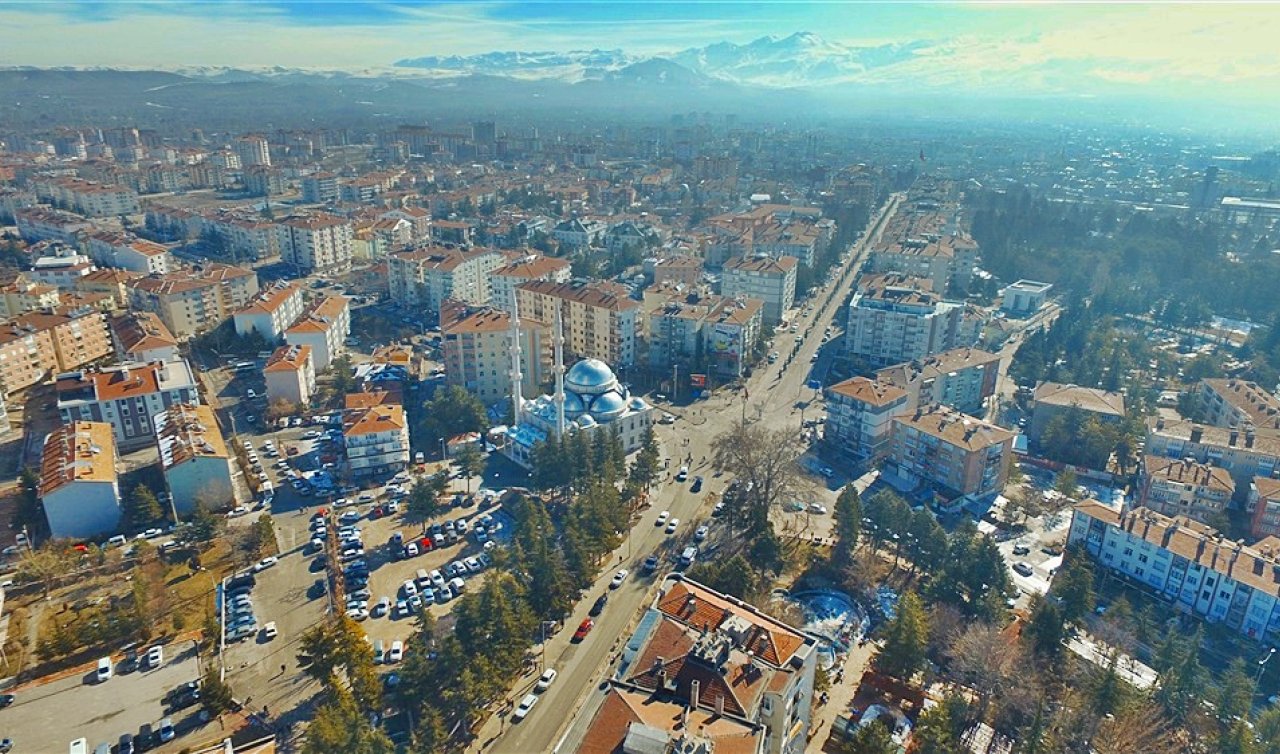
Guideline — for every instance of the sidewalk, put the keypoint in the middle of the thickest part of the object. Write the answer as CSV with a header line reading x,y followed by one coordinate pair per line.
x,y
840,696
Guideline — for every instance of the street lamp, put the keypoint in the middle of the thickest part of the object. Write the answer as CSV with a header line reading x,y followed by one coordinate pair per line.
x,y
1262,665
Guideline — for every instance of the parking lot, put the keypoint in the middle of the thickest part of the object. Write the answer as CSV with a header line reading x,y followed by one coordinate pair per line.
x,y
46,718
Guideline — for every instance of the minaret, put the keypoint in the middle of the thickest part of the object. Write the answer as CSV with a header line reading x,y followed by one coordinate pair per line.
x,y
559,370
517,377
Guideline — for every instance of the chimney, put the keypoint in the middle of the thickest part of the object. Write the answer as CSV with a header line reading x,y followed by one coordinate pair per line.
x,y
694,688
1197,432
662,681
719,705
1232,436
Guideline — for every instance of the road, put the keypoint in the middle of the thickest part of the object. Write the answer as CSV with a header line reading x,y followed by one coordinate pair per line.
x,y
772,395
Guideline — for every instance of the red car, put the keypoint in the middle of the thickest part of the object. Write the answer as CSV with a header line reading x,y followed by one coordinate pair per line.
x,y
425,545
583,629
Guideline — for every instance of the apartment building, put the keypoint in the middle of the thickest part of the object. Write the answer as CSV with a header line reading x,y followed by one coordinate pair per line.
x,y
769,280
80,335
128,253
140,337
291,375
1264,507
324,327
87,198
111,283
578,233
423,278
59,265
27,356
252,150
41,223
860,416
894,318
1052,399
127,396
317,244
1231,402
1184,487
23,295
962,378
946,261
1188,564
708,333
477,356
953,454
599,318
194,301
377,439
320,188
704,672
1244,453
678,268
79,486
197,466
270,312
504,280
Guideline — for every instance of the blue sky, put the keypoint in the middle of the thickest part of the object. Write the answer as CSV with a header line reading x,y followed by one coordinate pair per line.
x,y
1169,46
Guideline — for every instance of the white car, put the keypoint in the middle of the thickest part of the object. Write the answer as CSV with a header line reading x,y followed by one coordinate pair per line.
x,y
269,630
618,578
239,510
818,508
265,563
700,533
672,524
662,518
525,707
547,678
396,653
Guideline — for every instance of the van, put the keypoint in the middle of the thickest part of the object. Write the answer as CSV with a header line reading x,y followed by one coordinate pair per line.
x,y
422,579
377,651
104,671
118,540
79,746
688,556
456,585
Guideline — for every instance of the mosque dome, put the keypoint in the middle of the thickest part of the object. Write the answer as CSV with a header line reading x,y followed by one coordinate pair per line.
x,y
573,404
609,406
590,377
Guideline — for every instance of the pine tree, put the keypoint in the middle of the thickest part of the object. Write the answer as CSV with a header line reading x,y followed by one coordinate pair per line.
x,y
142,508
906,639
848,522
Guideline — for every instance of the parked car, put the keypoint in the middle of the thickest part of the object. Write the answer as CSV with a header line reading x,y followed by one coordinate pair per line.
x,y
545,680
1022,569
525,707
700,533
584,628
598,606
396,653
618,578
662,518
672,524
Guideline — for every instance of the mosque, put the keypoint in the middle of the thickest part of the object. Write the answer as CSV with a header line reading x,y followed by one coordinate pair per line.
x,y
587,397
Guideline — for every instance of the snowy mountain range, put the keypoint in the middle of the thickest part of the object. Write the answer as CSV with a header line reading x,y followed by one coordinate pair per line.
x,y
802,59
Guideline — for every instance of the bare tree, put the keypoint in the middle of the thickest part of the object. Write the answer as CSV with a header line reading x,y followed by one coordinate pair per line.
x,y
46,565
986,661
1139,720
764,462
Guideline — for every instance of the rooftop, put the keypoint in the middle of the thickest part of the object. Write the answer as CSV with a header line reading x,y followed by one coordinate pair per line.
x,y
185,432
1187,471
1087,398
288,359
77,452
384,417
872,392
955,428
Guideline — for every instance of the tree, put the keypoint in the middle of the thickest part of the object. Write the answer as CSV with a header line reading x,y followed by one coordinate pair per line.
x,y
453,411
45,565
1045,629
471,461
424,498
344,380
1073,586
429,734
1067,484
645,467
262,536
215,694
142,508
872,738
204,525
985,661
939,728
848,522
30,513
339,725
906,639
764,462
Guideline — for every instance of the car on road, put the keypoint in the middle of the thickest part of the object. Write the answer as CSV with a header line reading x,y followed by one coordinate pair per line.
x,y
697,484
584,628
155,657
700,533
545,680
239,510
618,578
597,607
651,564
266,563
662,518
1022,569
682,474
672,524
7,700
718,509
524,707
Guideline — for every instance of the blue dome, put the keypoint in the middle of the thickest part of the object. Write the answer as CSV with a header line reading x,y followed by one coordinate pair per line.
x,y
638,404
573,405
586,421
609,406
590,377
